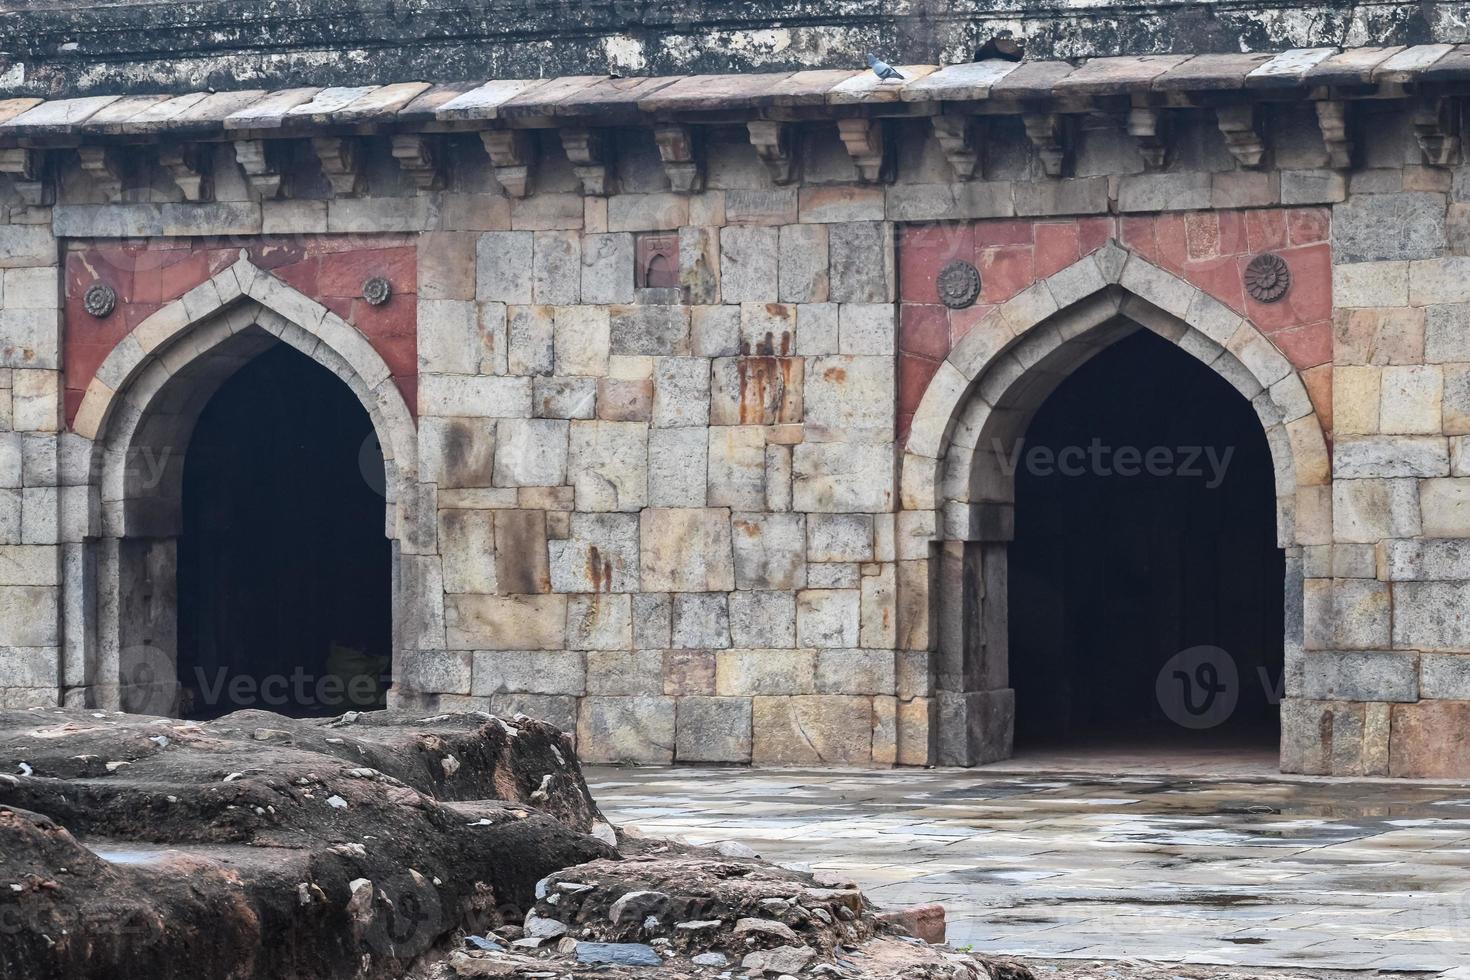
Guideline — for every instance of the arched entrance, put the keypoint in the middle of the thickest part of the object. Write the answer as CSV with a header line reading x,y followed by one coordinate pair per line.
x,y
960,475
284,588
1145,599
200,374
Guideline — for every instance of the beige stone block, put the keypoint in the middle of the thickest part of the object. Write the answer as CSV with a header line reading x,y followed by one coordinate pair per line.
x,y
582,337
599,621
1355,398
1456,417
737,467
520,622
529,672
885,730
749,672
1378,336
1366,511
812,730
1369,284
607,462
467,546
878,626
1444,505
1410,399
686,550
856,672
713,730
626,729
828,617
689,672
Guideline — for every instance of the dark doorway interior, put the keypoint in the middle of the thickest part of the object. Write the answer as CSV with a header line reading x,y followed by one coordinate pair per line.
x,y
284,569
1118,579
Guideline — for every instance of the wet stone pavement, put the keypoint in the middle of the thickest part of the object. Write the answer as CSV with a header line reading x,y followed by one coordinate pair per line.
x,y
1253,872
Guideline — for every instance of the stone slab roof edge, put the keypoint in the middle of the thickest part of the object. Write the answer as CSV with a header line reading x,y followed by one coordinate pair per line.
x,y
1160,80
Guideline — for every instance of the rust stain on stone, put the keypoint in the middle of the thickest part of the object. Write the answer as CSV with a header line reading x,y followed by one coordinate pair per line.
x,y
599,570
836,375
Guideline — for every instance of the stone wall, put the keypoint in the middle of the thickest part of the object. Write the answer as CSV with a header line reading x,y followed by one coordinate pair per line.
x,y
693,522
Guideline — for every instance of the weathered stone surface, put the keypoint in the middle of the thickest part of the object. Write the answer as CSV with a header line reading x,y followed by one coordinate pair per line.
x,y
846,392
599,554
624,672
681,392
583,335
756,390
1431,738
770,551
835,477
521,564
600,622
812,730
607,268
701,621
748,264
827,617
650,330
1429,616
762,619
518,622
457,453
861,258
713,730
530,453
503,266
467,544
627,729
737,467
686,550
1379,227
529,672
677,467
747,672
803,264
608,464
840,537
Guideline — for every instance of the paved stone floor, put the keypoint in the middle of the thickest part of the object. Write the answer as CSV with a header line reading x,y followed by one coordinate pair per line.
x,y
1245,870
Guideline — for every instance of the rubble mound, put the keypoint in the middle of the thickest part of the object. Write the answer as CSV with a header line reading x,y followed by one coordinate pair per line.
x,y
263,846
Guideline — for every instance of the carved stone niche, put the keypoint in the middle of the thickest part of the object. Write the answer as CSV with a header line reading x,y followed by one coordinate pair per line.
x,y
656,260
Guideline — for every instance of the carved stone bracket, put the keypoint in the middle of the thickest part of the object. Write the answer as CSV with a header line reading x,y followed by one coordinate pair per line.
x,y
104,169
342,161
26,169
418,158
261,171
1050,133
677,149
513,155
961,140
1437,128
1239,125
189,166
1150,130
1332,120
775,144
587,151
866,144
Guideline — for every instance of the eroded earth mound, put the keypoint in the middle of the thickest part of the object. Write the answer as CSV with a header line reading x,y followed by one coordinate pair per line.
x,y
382,844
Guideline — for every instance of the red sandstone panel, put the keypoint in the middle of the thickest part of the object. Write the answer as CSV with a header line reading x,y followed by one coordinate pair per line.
x,y
329,269
1210,249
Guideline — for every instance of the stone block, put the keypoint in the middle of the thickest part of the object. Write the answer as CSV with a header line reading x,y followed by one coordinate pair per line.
x,y
530,343
855,672
647,212
1366,676
582,339
770,551
756,390
1446,333
601,622
1456,405
741,673
546,211
677,467
763,619
1356,394
650,330
879,618
26,245
812,730
1361,613
1444,675
1367,511
839,537
827,617
600,554
1378,336
456,453
1442,280
467,546
517,622
835,477
764,206
737,467
826,204
556,268
29,339
1384,227
474,397
1181,191
1424,560
529,672
1431,739
531,452
713,730
434,671
625,399
686,550
1428,616
503,266
802,264
1444,505
564,398
975,727
860,256
1322,737
1411,399
626,729
521,563
607,462
30,667
681,391
652,620
767,328
625,672
715,331
699,265
866,328
607,268
1370,284
560,711
1358,457
689,673
850,392
701,621
748,264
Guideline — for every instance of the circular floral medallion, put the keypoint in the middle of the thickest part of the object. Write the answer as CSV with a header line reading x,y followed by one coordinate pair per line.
x,y
958,285
376,290
99,299
1267,278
